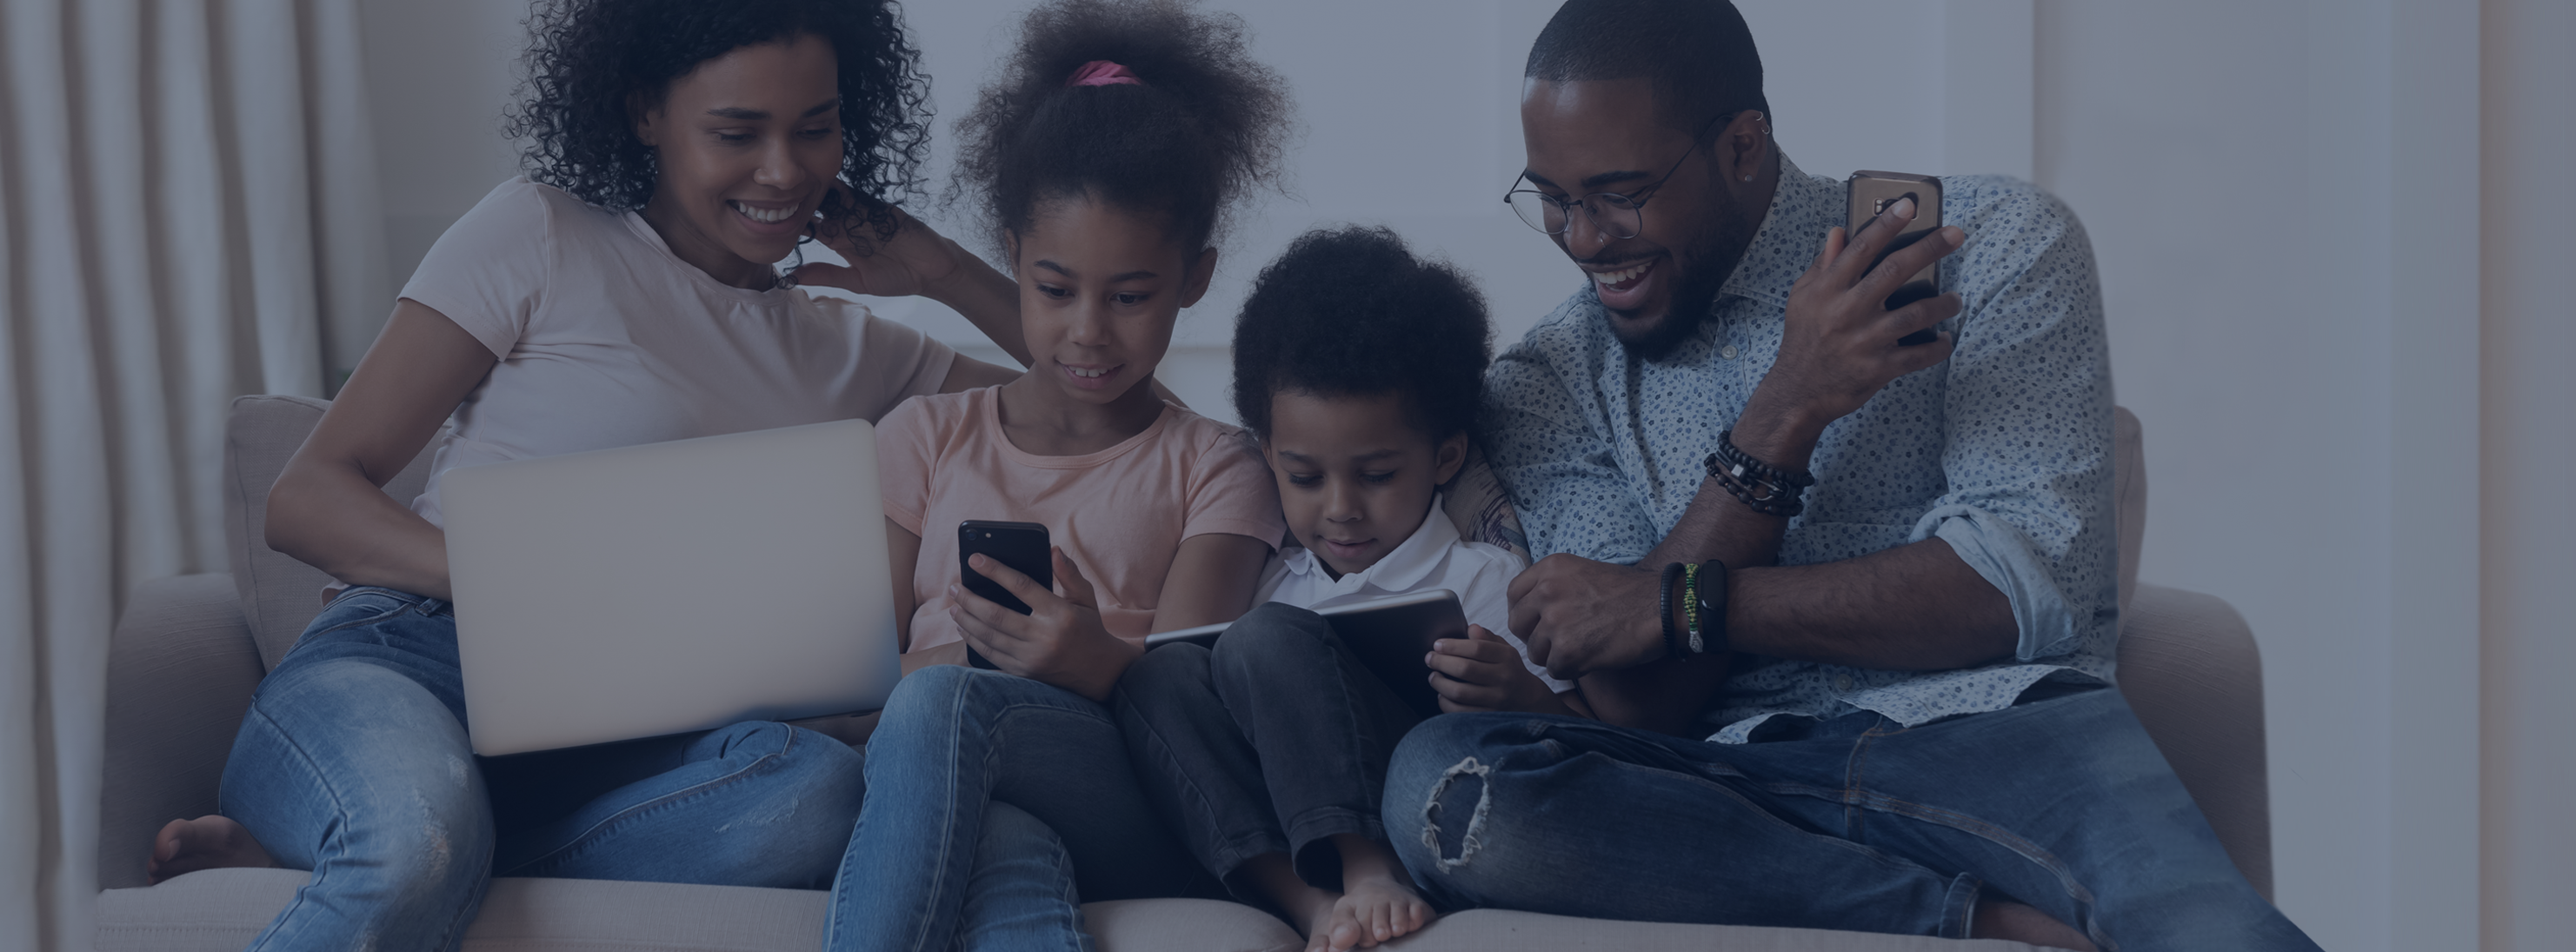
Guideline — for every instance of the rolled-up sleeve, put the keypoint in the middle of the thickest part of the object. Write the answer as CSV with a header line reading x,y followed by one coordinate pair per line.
x,y
1552,458
2028,404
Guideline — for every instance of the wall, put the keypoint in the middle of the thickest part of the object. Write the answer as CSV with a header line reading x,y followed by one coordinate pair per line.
x,y
2208,165
438,74
2527,452
2356,431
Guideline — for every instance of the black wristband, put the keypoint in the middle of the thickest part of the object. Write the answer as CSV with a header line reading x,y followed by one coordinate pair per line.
x,y
1764,488
1711,637
1672,640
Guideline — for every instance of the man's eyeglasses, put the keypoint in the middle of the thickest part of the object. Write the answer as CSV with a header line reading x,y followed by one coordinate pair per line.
x,y
1620,215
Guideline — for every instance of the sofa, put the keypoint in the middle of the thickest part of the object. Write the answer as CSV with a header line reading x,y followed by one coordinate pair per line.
x,y
187,652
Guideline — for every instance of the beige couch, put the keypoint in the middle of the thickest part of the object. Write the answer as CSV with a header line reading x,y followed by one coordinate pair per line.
x,y
189,650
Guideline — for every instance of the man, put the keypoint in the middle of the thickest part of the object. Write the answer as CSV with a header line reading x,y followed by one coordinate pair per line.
x,y
1919,734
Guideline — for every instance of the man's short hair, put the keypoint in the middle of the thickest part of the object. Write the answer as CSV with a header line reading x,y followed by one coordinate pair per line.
x,y
1699,54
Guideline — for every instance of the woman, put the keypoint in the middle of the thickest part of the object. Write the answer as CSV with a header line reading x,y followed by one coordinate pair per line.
x,y
621,293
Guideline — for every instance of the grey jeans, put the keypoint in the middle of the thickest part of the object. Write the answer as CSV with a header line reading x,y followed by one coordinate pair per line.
x,y
1273,741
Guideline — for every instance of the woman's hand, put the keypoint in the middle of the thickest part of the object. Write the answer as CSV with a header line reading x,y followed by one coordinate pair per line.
x,y
914,261
1482,672
919,261
1060,641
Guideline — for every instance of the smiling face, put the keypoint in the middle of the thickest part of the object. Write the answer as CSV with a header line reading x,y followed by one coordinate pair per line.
x,y
1604,135
1355,476
1100,287
745,147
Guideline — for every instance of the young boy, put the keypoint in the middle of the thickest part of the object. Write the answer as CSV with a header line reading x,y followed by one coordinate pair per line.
x,y
1360,368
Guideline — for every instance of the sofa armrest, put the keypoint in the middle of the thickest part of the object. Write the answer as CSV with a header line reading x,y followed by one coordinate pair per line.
x,y
180,672
2190,669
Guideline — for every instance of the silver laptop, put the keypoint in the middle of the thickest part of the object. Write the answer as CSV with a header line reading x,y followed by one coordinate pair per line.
x,y
671,587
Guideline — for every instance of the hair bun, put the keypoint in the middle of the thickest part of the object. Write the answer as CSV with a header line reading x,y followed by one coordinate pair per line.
x,y
1102,73
1185,145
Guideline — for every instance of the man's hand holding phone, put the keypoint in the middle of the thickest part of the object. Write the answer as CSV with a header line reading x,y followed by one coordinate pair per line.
x,y
1839,345
1061,641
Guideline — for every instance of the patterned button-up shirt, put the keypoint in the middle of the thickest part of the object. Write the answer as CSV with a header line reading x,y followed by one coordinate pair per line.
x,y
2003,451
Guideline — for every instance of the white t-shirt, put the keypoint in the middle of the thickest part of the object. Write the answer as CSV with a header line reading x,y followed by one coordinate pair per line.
x,y
607,339
1434,556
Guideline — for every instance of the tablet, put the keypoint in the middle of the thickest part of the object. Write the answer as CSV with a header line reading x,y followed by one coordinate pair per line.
x,y
1389,636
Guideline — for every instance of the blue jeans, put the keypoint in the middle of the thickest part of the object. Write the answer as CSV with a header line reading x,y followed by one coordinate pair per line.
x,y
957,749
353,763
1853,823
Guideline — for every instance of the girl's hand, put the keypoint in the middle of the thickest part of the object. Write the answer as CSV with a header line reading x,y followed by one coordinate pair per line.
x,y
915,261
1481,672
1060,641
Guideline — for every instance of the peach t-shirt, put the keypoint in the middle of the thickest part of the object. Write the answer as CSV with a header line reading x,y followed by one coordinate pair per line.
x,y
1120,514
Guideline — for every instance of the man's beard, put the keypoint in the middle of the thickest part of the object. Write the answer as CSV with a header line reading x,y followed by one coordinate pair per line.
x,y
1713,254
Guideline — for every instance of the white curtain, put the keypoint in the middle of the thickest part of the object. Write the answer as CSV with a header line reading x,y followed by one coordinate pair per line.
x,y
190,197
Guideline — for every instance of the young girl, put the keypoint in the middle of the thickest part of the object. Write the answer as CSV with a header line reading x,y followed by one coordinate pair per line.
x,y
1360,367
1105,160
621,293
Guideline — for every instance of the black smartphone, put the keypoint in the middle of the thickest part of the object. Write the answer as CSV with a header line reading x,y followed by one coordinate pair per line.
x,y
1866,196
1021,545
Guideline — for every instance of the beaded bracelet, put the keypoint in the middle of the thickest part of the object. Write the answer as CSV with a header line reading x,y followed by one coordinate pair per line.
x,y
1768,489
1690,606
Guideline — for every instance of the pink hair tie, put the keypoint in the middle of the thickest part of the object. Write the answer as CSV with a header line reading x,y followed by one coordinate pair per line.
x,y
1102,73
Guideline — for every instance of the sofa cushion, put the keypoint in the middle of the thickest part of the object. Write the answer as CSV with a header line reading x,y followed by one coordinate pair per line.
x,y
2128,497
180,672
1480,930
2190,669
1474,500
223,909
279,595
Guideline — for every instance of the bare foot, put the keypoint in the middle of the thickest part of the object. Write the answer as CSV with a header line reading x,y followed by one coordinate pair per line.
x,y
1997,918
1378,901
207,842
1308,909
1318,926
1371,911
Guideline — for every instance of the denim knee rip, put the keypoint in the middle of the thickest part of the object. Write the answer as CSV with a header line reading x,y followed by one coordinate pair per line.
x,y
1467,841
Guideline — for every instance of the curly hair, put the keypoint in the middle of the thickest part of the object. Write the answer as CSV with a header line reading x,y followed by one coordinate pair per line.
x,y
1202,125
588,59
1352,312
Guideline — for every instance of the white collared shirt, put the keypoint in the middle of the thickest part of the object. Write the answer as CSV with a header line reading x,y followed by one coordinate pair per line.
x,y
1433,557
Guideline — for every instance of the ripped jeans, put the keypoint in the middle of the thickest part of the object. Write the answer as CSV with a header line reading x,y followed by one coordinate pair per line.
x,y
1854,823
353,763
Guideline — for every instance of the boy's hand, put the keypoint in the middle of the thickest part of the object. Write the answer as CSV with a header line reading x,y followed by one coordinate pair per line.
x,y
1482,672
1060,641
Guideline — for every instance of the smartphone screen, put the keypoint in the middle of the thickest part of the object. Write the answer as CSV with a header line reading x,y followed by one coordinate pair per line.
x,y
1021,545
1867,195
